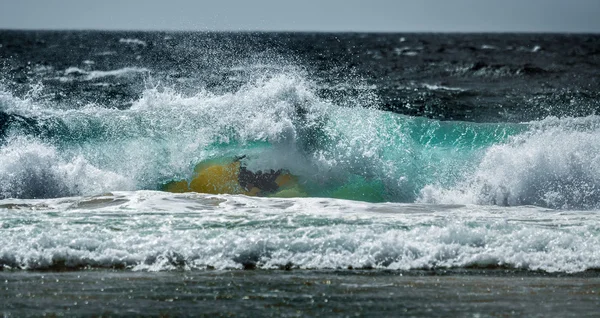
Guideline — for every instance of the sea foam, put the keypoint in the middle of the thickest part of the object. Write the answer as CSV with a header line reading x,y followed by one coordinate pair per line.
x,y
157,231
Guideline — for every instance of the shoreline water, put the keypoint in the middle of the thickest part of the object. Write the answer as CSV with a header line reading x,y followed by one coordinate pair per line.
x,y
481,293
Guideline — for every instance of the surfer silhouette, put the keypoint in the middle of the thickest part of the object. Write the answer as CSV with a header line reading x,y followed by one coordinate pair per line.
x,y
265,181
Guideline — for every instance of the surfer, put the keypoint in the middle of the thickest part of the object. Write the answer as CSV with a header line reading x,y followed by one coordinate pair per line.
x,y
266,182
232,177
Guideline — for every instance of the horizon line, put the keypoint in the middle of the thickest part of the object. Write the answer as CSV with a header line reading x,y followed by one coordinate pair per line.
x,y
199,30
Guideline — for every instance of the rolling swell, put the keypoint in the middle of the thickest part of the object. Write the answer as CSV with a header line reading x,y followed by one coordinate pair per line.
x,y
353,151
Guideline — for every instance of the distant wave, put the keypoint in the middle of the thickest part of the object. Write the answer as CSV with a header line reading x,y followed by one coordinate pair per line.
x,y
442,88
75,72
486,69
488,47
133,41
408,51
105,53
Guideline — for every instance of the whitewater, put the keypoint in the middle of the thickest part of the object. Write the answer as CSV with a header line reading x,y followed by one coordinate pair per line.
x,y
469,194
432,169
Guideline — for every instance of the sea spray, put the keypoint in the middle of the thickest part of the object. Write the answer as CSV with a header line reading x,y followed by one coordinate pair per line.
x,y
352,151
554,163
278,120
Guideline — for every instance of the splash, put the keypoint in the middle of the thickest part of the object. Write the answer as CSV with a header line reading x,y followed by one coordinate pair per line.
x,y
351,151
555,163
31,169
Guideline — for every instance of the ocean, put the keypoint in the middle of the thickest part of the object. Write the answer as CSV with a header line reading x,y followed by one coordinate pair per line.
x,y
441,174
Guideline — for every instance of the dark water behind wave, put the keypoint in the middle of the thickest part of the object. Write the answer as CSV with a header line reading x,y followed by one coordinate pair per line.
x,y
475,77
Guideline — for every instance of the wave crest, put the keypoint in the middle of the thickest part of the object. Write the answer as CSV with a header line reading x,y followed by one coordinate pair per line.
x,y
32,169
556,164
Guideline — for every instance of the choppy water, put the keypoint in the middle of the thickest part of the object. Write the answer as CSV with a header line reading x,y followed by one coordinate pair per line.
x,y
418,152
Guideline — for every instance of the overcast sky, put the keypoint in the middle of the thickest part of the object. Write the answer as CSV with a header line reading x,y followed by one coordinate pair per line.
x,y
305,15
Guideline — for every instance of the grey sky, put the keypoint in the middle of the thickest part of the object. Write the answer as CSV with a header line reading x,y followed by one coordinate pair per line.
x,y
306,15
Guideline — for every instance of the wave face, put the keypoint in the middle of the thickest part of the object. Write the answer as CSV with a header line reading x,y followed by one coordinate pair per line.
x,y
351,151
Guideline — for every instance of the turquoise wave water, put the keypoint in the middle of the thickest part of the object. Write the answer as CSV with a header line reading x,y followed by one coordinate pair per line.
x,y
352,151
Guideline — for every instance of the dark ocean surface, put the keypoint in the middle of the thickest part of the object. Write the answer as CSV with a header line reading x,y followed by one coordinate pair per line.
x,y
441,174
472,77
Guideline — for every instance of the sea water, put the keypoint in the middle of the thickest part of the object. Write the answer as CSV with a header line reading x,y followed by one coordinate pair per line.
x,y
444,174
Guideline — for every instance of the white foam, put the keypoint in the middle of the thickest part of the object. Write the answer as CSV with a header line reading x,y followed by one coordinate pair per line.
x,y
161,231
12,104
434,87
556,163
31,168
